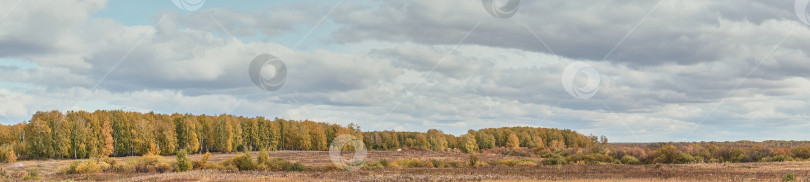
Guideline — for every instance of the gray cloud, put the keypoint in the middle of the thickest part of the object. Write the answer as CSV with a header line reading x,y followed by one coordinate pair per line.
x,y
677,32
395,65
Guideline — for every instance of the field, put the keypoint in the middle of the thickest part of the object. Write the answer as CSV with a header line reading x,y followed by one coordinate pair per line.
x,y
761,171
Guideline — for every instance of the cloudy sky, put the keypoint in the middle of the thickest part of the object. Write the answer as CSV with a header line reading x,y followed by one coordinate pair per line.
x,y
633,70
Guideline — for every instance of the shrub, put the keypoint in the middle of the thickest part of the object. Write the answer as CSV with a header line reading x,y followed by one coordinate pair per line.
x,y
591,158
475,161
373,165
296,167
202,162
183,162
699,159
554,159
151,163
507,162
7,154
455,164
522,152
329,167
778,158
410,163
109,161
11,157
526,163
739,155
520,162
438,163
32,175
278,164
629,159
789,177
802,152
123,167
382,163
242,162
262,161
671,155
85,167
88,167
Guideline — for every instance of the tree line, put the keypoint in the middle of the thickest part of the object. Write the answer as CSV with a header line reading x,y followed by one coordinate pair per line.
x,y
82,134
476,140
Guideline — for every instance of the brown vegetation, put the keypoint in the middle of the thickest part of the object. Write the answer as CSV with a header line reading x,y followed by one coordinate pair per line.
x,y
416,165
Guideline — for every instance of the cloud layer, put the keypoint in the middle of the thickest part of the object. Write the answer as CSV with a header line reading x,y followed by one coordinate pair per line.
x,y
669,70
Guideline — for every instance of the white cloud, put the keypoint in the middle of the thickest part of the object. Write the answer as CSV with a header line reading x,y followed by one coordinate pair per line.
x,y
395,65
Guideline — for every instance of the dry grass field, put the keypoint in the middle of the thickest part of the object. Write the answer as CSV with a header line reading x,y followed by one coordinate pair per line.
x,y
48,169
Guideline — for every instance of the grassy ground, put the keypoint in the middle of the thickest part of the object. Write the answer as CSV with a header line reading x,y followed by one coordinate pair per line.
x,y
684,172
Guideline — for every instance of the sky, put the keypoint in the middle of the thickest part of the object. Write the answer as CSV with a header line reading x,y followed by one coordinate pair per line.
x,y
632,70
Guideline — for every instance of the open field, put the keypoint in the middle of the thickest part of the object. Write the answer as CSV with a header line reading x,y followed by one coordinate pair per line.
x,y
763,171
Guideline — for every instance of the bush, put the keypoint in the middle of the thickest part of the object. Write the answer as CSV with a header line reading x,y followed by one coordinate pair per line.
x,y
88,167
520,162
522,152
778,158
7,154
802,152
526,163
242,162
789,177
410,163
183,162
32,175
123,167
263,160
151,163
328,167
475,161
296,167
278,164
629,159
554,159
739,155
669,154
373,165
591,158
202,162
437,163
85,167
382,163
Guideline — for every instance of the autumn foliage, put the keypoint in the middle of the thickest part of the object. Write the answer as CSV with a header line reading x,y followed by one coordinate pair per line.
x,y
81,134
